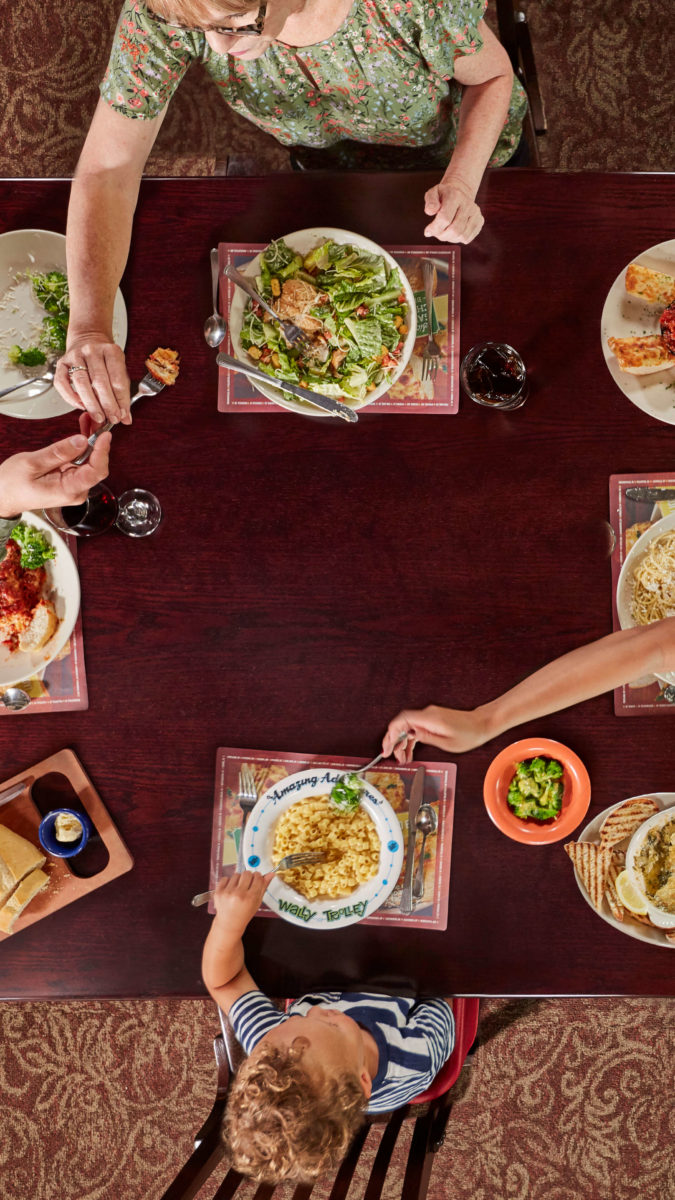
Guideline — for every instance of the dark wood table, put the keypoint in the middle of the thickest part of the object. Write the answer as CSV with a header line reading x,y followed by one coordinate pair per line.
x,y
310,579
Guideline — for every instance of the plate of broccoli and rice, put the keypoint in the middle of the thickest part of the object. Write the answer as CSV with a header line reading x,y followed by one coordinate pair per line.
x,y
353,303
537,791
34,313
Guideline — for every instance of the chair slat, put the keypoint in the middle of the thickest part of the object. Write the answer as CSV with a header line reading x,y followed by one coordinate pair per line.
x,y
348,1165
385,1150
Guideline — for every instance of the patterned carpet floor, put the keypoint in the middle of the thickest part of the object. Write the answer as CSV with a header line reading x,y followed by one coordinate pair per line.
x,y
603,72
565,1100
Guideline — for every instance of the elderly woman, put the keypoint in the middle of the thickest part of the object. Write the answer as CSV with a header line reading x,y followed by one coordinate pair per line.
x,y
407,74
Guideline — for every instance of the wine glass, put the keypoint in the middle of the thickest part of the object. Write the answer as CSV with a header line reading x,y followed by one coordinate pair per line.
x,y
136,513
139,513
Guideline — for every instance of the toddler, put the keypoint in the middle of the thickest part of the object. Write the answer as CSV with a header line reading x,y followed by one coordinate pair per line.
x,y
313,1072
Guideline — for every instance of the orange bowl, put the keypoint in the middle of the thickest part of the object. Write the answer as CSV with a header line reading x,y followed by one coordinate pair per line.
x,y
576,796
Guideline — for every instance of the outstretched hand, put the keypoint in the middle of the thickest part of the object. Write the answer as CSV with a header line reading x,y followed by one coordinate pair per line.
x,y
47,478
456,216
448,729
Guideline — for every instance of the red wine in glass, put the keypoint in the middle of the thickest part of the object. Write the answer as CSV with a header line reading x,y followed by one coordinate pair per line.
x,y
95,515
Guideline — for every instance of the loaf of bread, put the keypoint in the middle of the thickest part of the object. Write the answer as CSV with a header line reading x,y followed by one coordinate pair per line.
x,y
18,858
29,887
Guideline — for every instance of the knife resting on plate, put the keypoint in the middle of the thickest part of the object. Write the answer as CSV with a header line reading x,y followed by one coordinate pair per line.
x,y
334,407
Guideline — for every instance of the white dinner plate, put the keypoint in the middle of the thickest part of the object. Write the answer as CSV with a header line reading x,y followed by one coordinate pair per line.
x,y
624,587
21,316
643,933
63,586
303,241
629,316
289,904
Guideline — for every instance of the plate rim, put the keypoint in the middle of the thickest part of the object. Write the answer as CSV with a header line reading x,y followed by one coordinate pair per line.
x,y
643,933
649,535
59,407
629,384
378,802
66,625
326,231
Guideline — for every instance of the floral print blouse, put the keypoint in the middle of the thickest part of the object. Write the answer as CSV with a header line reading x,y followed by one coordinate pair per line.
x,y
385,76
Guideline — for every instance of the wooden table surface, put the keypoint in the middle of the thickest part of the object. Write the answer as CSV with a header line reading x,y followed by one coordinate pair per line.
x,y
311,578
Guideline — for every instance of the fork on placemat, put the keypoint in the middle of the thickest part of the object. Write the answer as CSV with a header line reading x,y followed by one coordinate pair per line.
x,y
248,798
431,352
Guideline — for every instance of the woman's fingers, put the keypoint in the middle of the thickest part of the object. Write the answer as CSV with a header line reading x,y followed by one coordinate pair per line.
x,y
92,376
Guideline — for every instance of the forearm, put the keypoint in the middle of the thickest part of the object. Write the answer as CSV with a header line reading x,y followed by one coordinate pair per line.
x,y
581,674
222,957
98,235
482,115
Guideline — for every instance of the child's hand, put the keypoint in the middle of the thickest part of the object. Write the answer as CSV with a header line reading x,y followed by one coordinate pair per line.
x,y
237,898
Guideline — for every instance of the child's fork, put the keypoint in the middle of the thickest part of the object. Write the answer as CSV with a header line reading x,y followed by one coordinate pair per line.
x,y
302,859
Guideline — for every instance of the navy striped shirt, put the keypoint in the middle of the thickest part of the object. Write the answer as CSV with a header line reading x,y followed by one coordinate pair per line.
x,y
414,1037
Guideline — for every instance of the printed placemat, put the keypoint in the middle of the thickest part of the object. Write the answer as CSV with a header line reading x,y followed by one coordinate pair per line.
x,y
630,518
394,782
411,393
62,685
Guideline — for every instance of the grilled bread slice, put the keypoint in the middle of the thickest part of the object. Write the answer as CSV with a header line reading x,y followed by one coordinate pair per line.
x,y
616,866
592,863
652,286
18,857
626,819
642,355
27,889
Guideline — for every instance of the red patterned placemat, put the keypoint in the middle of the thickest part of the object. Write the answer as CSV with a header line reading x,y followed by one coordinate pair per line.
x,y
411,394
629,519
62,685
431,911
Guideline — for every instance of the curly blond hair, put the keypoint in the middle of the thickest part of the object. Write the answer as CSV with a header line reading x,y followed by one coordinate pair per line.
x,y
283,1122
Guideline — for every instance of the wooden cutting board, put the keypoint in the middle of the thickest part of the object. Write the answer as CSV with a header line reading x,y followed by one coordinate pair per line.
x,y
106,853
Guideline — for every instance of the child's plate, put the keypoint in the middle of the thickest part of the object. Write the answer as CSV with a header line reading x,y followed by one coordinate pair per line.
x,y
284,900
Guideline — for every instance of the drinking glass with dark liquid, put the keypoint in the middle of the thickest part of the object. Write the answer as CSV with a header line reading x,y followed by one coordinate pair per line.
x,y
136,513
96,514
493,374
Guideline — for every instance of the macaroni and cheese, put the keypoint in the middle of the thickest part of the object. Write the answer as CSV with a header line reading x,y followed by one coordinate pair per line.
x,y
351,840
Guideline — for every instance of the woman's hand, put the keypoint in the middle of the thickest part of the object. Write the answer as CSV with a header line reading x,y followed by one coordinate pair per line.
x,y
457,217
47,478
449,729
92,375
237,899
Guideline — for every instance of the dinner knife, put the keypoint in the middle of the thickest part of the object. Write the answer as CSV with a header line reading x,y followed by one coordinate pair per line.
x,y
416,797
334,407
12,792
652,495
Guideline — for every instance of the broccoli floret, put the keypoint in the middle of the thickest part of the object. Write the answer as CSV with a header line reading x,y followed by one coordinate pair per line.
x,y
32,357
522,806
346,793
554,769
523,770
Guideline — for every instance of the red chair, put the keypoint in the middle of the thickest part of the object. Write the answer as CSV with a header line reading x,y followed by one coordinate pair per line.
x,y
428,1132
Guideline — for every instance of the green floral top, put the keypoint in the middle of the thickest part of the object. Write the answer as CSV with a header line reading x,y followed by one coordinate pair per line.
x,y
381,78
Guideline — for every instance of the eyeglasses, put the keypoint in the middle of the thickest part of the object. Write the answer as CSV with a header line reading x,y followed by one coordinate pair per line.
x,y
253,30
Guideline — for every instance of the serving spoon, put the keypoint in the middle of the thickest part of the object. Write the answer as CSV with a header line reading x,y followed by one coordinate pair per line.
x,y
214,326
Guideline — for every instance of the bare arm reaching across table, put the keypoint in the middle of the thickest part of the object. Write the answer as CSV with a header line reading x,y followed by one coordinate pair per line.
x,y
579,675
100,215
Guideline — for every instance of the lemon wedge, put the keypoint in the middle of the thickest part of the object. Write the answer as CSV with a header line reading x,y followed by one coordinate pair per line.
x,y
629,895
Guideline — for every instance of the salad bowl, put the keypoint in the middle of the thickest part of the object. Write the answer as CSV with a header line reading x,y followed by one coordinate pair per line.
x,y
303,242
